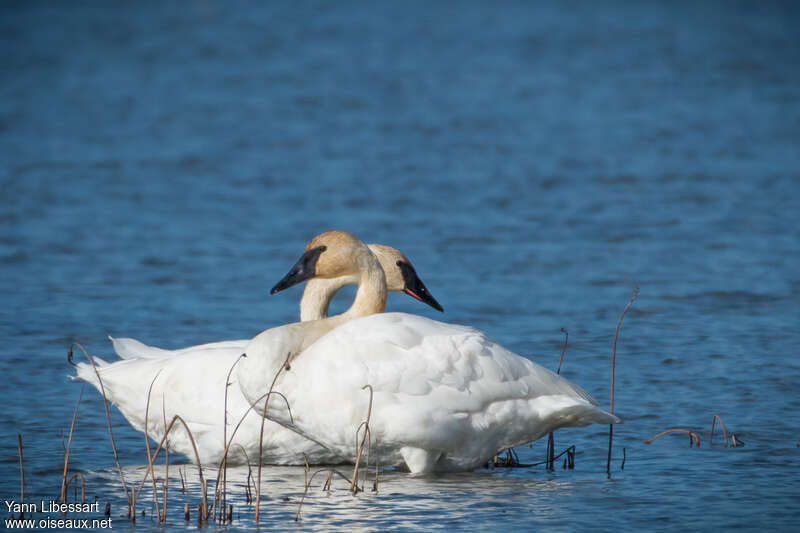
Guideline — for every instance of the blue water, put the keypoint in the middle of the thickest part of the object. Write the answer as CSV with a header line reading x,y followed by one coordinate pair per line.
x,y
164,165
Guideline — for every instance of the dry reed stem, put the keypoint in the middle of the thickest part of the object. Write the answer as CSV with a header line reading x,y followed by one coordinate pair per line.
x,y
235,429
261,432
377,469
147,445
551,446
511,460
735,442
177,418
714,418
225,436
305,492
692,435
22,475
166,458
83,486
369,451
248,494
563,349
566,451
222,472
368,437
354,483
128,495
613,365
306,469
67,448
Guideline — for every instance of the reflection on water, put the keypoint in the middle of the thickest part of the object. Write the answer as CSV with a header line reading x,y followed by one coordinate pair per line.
x,y
402,501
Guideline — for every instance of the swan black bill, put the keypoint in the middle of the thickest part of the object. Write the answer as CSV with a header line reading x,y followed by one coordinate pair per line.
x,y
304,269
415,288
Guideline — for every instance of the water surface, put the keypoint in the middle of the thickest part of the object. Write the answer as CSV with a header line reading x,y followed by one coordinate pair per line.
x,y
165,164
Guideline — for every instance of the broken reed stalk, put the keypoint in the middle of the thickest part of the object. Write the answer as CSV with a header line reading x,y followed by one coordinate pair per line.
x,y
224,463
377,470
308,484
567,451
354,482
22,476
306,469
692,435
366,465
62,497
147,446
721,425
177,418
511,460
563,349
613,365
83,486
235,429
261,432
551,445
128,495
359,450
166,459
248,494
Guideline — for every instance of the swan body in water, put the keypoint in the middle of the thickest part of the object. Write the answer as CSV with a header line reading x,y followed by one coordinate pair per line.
x,y
191,382
446,398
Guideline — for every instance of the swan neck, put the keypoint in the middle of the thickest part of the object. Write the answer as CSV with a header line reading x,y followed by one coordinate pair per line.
x,y
318,294
371,295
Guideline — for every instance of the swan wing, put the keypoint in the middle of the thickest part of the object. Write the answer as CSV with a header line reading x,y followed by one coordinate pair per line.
x,y
127,348
437,387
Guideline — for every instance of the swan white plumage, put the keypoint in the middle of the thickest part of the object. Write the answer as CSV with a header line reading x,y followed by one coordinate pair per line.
x,y
190,382
446,398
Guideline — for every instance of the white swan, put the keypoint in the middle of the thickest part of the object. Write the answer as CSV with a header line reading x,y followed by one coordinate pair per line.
x,y
190,382
446,398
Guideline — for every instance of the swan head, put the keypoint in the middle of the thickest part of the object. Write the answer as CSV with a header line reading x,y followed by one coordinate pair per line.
x,y
401,276
340,256
329,255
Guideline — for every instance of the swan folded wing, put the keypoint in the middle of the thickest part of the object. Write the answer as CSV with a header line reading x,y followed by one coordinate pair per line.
x,y
179,384
434,384
127,348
